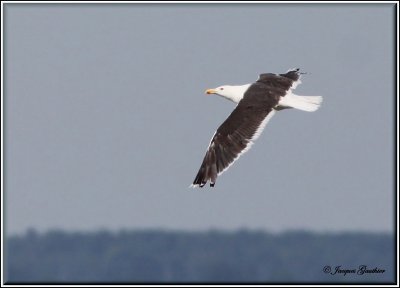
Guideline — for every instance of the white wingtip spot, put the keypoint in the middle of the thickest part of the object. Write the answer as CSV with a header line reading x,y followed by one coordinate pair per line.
x,y
293,69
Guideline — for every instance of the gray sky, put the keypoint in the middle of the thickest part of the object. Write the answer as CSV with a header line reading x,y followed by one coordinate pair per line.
x,y
106,121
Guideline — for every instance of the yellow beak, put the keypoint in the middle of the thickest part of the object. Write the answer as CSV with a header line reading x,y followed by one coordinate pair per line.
x,y
211,91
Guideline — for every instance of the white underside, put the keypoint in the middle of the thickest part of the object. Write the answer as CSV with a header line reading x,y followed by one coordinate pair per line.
x,y
295,84
304,103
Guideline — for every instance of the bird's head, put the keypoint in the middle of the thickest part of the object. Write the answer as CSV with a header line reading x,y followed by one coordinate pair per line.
x,y
233,93
224,91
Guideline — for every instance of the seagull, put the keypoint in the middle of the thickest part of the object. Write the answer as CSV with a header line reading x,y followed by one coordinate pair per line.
x,y
256,104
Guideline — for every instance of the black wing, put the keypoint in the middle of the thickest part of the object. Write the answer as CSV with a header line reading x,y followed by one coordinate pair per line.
x,y
280,82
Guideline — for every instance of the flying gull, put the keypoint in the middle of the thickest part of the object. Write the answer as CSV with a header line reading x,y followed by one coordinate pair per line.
x,y
256,104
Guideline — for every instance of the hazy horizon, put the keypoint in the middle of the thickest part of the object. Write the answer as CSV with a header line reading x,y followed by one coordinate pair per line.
x,y
116,231
166,257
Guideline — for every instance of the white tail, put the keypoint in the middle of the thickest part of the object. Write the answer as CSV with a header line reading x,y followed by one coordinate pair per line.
x,y
305,103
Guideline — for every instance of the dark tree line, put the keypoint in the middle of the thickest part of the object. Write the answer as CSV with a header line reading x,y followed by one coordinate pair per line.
x,y
214,256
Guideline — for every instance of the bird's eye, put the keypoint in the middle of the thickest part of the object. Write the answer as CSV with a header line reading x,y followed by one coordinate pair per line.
x,y
221,88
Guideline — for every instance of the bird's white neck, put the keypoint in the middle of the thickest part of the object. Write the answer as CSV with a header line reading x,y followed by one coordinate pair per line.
x,y
234,93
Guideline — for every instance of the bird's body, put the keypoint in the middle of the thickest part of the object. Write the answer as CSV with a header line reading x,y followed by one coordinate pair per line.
x,y
256,104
